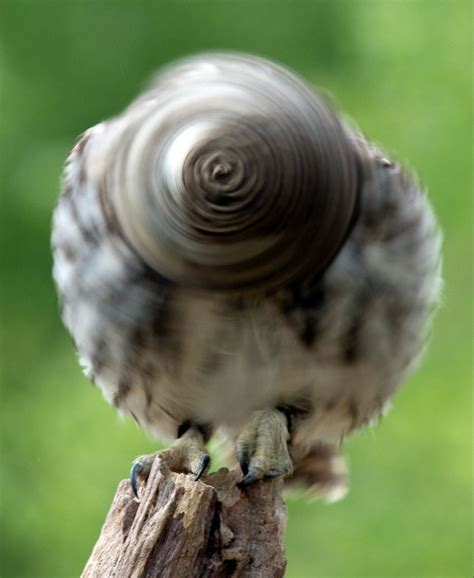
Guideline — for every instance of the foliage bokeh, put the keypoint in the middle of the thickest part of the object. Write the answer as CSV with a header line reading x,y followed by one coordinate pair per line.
x,y
401,69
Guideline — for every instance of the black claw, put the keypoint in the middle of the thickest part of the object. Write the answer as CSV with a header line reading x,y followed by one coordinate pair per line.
x,y
248,479
205,461
244,463
134,473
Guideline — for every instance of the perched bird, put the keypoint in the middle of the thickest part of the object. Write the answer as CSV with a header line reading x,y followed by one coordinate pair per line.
x,y
231,255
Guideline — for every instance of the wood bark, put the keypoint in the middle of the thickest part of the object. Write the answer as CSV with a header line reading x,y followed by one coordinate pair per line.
x,y
181,528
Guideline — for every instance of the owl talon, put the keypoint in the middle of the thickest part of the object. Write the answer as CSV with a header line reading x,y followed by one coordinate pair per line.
x,y
140,469
203,466
134,480
262,447
185,456
247,481
244,463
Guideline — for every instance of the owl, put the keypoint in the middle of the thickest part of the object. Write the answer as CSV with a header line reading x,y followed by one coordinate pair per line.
x,y
233,256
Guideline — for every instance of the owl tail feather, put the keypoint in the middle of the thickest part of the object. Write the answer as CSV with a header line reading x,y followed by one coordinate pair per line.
x,y
321,472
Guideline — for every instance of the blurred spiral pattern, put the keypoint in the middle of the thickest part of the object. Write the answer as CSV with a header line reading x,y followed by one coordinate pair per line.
x,y
230,172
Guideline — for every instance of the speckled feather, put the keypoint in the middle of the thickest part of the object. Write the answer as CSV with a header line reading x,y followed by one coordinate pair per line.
x,y
334,349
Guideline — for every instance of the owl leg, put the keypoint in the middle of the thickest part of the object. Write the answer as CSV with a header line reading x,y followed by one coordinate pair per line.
x,y
186,455
262,447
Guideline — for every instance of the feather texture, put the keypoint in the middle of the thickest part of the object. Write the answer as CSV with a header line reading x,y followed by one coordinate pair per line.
x,y
335,346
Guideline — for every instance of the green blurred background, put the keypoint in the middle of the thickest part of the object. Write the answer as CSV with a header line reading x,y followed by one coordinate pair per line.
x,y
401,69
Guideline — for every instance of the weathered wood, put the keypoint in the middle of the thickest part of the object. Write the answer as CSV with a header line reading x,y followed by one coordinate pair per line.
x,y
182,528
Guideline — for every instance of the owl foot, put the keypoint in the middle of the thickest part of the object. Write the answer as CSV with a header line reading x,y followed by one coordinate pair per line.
x,y
186,455
262,447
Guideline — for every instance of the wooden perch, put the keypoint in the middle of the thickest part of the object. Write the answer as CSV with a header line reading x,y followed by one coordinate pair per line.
x,y
187,529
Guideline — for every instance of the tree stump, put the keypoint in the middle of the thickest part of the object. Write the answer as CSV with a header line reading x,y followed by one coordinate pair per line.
x,y
181,528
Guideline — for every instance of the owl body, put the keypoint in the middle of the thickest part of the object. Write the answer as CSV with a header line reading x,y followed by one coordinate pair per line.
x,y
333,346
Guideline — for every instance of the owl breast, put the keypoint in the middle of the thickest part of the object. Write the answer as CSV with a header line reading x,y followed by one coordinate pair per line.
x,y
335,345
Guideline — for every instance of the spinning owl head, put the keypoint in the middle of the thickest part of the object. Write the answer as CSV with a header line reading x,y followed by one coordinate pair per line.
x,y
227,170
